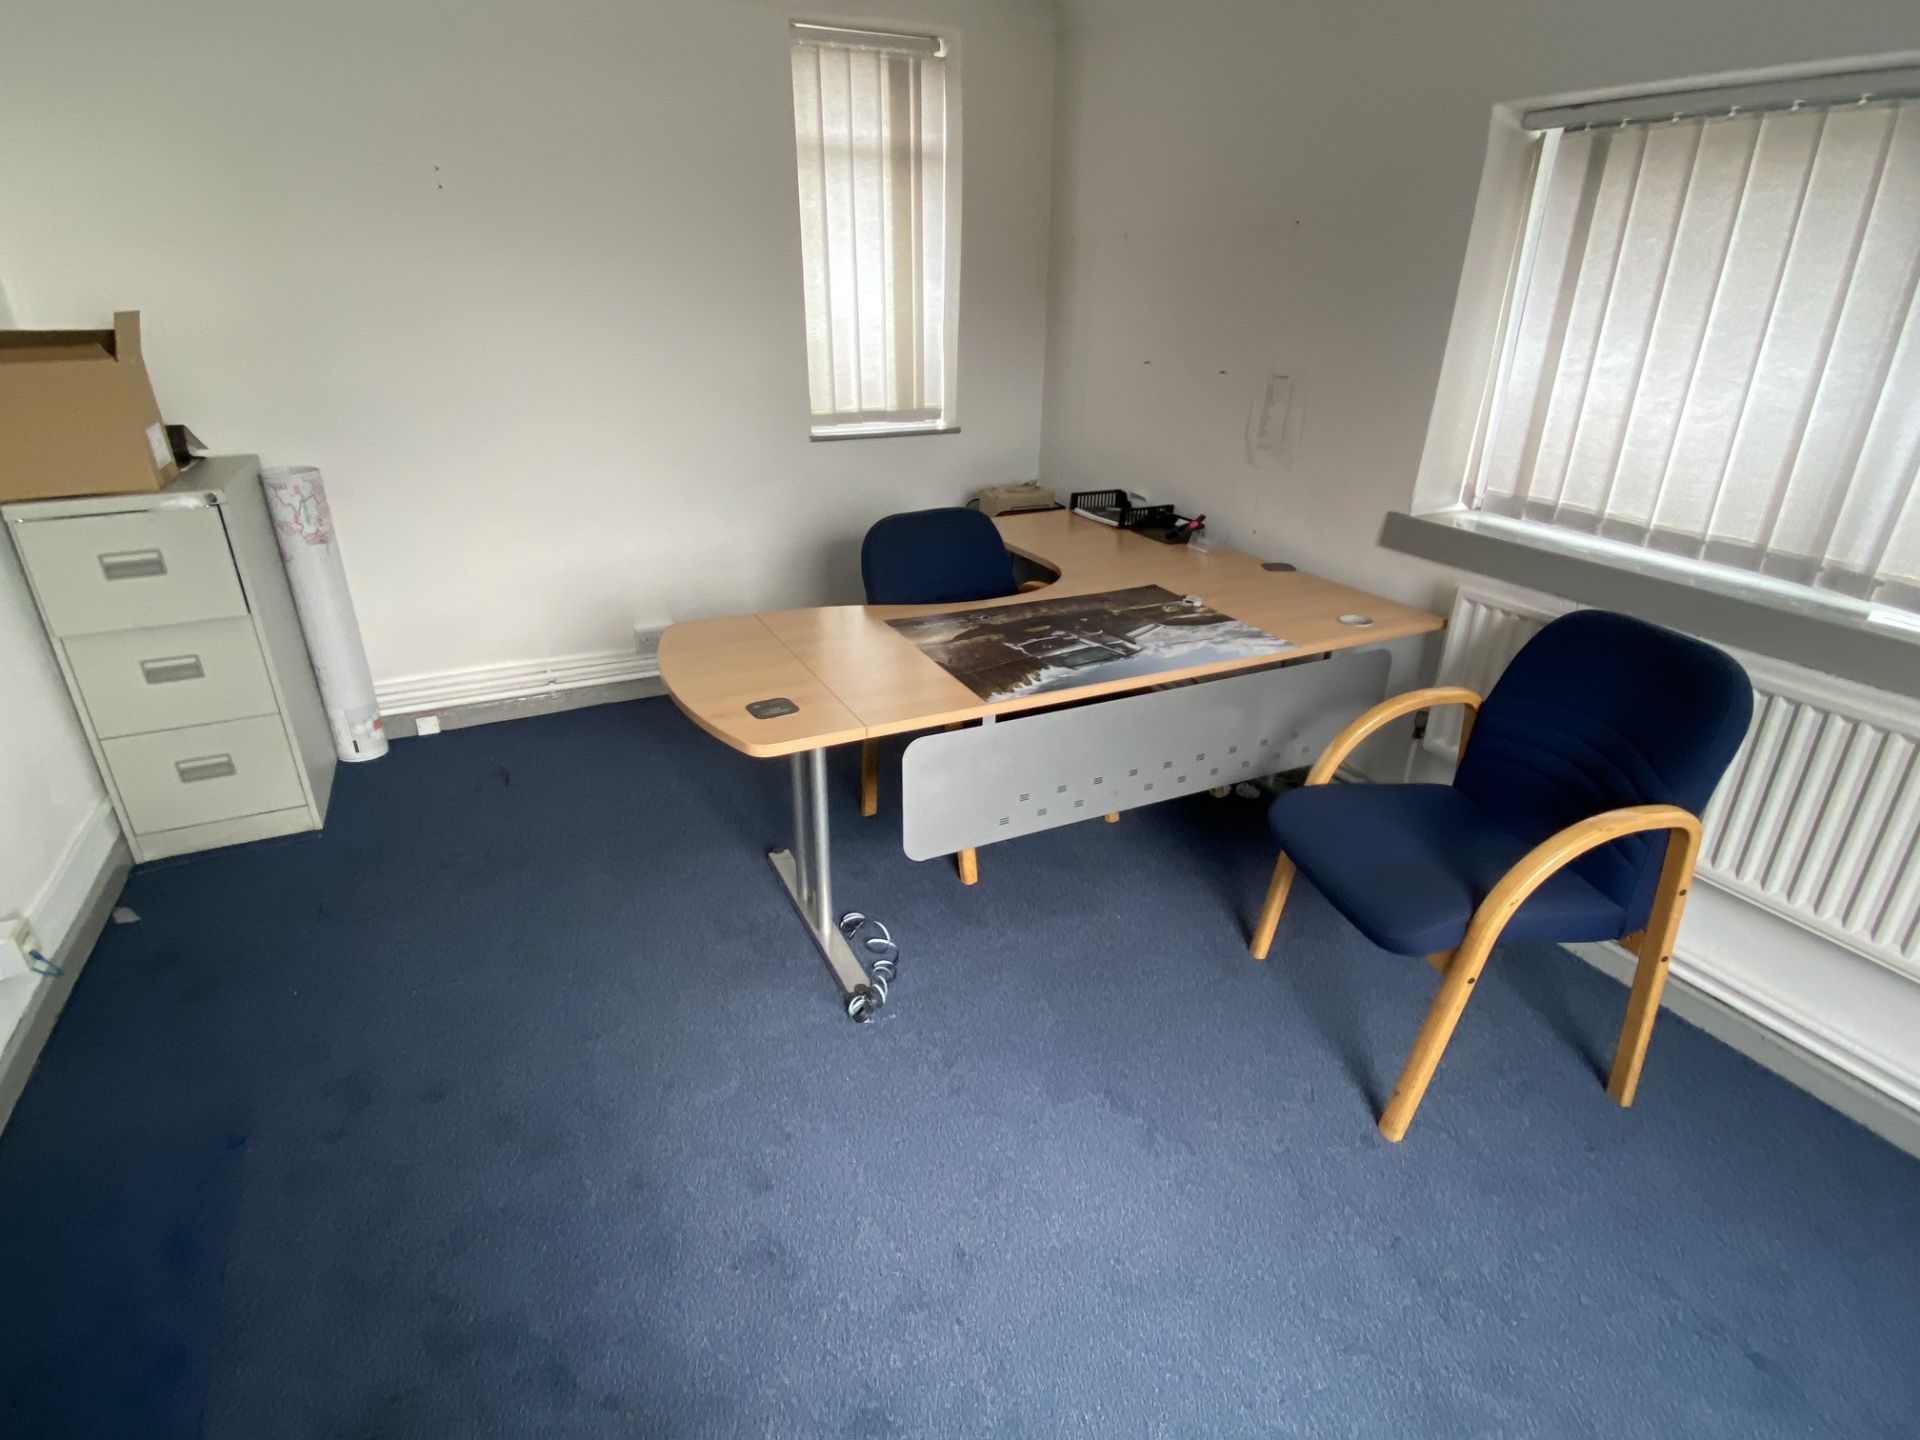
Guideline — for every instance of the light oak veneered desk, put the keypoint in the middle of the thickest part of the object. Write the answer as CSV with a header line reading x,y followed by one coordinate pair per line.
x,y
851,677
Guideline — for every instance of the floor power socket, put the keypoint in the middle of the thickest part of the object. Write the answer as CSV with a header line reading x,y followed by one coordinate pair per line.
x,y
17,946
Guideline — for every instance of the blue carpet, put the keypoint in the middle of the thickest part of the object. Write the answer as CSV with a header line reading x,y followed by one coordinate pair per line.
x,y
516,1105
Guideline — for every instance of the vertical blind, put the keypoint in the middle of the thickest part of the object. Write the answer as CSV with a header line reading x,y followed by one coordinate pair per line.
x,y
1713,346
870,122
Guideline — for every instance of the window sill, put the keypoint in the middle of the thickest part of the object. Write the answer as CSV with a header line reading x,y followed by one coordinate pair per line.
x,y
882,432
1875,647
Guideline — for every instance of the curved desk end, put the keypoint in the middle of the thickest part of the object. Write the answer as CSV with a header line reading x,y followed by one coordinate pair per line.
x,y
727,675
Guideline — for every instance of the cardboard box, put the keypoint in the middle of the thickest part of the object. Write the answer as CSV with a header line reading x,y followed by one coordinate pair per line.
x,y
77,414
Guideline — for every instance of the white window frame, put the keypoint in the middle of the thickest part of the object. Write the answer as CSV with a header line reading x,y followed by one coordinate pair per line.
x,y
951,46
1463,407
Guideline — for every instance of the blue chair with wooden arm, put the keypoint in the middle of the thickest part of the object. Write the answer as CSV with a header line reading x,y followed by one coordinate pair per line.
x,y
931,557
1573,815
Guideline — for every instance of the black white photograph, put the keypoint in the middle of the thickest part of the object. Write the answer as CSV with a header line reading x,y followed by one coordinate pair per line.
x,y
1005,651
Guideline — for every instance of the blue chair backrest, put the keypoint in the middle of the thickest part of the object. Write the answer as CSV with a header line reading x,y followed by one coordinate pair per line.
x,y
935,557
1599,711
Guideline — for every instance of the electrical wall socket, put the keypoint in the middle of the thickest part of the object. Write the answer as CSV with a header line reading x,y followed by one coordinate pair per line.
x,y
16,940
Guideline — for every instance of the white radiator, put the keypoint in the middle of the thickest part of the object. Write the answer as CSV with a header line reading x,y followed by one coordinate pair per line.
x,y
1818,820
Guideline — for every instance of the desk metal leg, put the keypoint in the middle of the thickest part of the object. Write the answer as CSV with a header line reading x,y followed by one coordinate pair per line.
x,y
806,870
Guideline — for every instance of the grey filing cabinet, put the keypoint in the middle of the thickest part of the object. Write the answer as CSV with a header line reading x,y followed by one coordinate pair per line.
x,y
175,628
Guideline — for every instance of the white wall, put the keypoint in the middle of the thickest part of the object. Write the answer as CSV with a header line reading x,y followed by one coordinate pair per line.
x,y
49,788
57,831
523,279
1242,186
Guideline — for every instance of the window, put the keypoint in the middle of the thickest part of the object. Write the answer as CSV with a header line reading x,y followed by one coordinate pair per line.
x,y
1712,342
871,126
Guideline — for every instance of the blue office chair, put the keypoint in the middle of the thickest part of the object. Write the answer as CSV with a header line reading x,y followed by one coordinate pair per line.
x,y
931,557
1573,815
935,557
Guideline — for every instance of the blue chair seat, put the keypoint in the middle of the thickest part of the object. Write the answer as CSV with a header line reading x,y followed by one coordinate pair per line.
x,y
1407,864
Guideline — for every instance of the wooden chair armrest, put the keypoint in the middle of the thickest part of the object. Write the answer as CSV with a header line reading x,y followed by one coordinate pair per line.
x,y
1462,965
1539,864
1392,708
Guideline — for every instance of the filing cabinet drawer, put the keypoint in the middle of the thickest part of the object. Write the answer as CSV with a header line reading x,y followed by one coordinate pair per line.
x,y
170,676
172,778
139,568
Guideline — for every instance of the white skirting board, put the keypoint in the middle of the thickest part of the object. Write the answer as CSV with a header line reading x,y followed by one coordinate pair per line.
x,y
62,901
486,684
69,915
1771,1040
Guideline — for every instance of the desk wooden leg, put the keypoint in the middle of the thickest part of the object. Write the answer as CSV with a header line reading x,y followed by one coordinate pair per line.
x,y
965,862
869,777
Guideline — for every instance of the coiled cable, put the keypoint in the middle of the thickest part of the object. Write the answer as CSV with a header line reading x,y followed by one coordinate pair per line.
x,y
863,932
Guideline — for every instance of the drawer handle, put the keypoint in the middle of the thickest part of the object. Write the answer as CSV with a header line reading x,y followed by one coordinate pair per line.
x,y
133,564
207,767
173,668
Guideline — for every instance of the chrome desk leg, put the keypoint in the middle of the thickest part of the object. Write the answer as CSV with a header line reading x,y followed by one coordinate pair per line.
x,y
806,870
